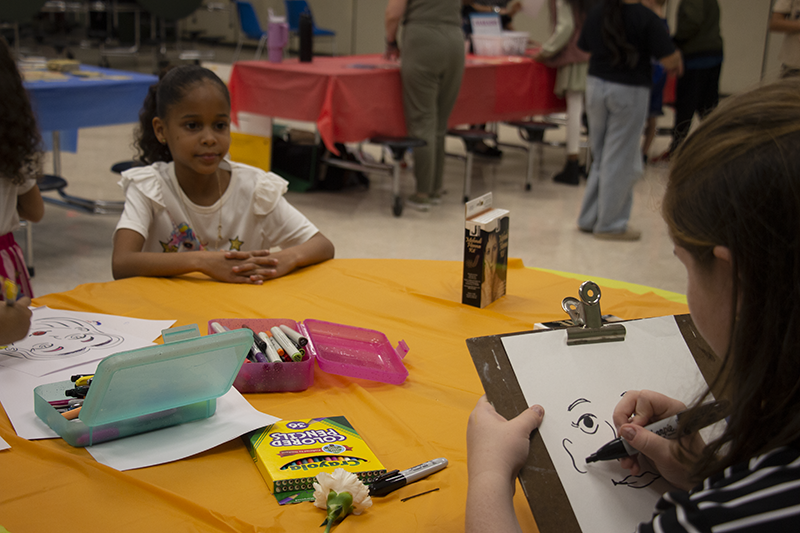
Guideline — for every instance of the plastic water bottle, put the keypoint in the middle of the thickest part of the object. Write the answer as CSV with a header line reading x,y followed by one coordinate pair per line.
x,y
305,30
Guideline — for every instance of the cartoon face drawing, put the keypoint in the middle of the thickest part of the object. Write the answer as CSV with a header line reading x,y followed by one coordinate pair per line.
x,y
182,239
58,338
587,433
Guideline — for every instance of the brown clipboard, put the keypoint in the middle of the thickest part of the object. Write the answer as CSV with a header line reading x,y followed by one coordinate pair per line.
x,y
540,482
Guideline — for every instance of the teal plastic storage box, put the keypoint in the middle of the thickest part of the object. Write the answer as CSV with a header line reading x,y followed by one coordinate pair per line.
x,y
150,388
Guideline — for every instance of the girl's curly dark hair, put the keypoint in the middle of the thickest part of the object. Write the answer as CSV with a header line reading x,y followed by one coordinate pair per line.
x,y
20,142
160,98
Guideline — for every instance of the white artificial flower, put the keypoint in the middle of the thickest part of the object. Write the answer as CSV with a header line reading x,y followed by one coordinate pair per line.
x,y
341,481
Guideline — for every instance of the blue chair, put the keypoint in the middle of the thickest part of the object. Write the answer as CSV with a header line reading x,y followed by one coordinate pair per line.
x,y
249,27
294,8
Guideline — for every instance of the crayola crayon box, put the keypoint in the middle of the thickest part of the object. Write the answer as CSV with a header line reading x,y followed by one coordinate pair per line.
x,y
485,252
290,453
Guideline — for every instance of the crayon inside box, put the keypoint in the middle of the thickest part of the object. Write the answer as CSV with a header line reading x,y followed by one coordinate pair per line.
x,y
290,453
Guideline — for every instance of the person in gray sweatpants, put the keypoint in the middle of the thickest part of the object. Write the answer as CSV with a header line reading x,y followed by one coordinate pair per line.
x,y
431,70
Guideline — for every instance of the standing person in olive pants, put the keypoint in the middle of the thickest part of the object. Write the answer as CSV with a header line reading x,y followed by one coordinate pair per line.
x,y
431,70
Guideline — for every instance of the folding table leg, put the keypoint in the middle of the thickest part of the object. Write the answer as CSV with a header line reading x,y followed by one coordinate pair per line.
x,y
29,246
397,201
468,176
529,172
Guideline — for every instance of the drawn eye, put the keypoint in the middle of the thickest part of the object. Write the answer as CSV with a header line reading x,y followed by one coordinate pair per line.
x,y
586,423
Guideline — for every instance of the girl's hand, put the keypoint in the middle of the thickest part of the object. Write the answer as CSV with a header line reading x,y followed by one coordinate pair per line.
x,y
231,267
15,320
496,446
261,265
640,408
256,265
496,450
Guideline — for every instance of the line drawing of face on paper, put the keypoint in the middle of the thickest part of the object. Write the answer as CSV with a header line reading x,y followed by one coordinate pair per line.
x,y
587,433
59,338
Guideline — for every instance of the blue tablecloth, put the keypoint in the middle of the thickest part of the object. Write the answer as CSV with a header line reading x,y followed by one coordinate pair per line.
x,y
85,102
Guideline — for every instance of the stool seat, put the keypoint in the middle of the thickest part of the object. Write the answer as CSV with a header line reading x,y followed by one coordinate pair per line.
x,y
398,142
398,145
122,166
473,134
49,182
534,129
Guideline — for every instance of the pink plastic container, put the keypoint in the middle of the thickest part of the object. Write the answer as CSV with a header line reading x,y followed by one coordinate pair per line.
x,y
356,352
339,349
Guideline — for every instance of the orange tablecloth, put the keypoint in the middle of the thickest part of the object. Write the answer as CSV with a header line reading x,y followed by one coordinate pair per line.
x,y
48,485
353,98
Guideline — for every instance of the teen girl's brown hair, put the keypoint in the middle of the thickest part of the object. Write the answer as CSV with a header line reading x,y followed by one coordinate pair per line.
x,y
735,182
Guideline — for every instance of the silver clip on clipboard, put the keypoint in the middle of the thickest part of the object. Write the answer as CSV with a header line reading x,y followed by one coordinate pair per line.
x,y
585,313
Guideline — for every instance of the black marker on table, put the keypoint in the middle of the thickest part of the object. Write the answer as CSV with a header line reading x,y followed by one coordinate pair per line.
x,y
668,428
395,480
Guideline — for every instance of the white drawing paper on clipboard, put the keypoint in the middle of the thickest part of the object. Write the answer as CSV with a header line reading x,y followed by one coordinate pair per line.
x,y
578,386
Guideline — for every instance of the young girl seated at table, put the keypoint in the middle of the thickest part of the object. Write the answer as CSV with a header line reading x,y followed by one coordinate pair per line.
x,y
20,164
732,206
191,199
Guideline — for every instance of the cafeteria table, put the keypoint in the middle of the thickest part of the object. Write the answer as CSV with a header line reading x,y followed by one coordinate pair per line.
x,y
355,98
49,485
97,97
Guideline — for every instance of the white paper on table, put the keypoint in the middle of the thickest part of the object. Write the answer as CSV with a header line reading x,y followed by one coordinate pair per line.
x,y
3,444
578,386
59,339
16,395
234,417
532,7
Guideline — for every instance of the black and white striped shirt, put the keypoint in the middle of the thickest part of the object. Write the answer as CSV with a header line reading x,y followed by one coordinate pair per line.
x,y
760,495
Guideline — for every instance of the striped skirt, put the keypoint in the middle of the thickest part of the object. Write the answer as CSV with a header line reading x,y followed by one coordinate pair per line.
x,y
12,264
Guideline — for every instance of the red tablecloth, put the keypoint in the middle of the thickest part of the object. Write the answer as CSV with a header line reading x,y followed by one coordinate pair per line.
x,y
352,98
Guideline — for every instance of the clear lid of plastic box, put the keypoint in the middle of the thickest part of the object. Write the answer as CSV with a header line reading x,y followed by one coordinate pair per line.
x,y
184,370
356,352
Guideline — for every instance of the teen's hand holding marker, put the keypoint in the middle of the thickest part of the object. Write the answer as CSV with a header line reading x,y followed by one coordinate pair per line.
x,y
732,207
190,199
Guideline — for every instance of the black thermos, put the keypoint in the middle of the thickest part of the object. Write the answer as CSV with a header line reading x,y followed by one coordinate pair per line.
x,y
305,31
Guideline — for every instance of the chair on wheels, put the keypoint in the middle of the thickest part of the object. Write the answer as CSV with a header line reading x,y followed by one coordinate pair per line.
x,y
397,146
249,28
471,139
532,132
295,8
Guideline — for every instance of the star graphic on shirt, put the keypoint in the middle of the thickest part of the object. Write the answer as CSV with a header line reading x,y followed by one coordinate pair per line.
x,y
236,244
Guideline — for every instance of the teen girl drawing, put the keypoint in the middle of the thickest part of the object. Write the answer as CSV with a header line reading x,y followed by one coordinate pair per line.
x,y
190,199
732,207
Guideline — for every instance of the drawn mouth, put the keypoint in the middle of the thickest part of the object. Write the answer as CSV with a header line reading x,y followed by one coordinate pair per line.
x,y
638,482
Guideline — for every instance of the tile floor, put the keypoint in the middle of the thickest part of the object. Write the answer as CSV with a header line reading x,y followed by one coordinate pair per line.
x,y
71,248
